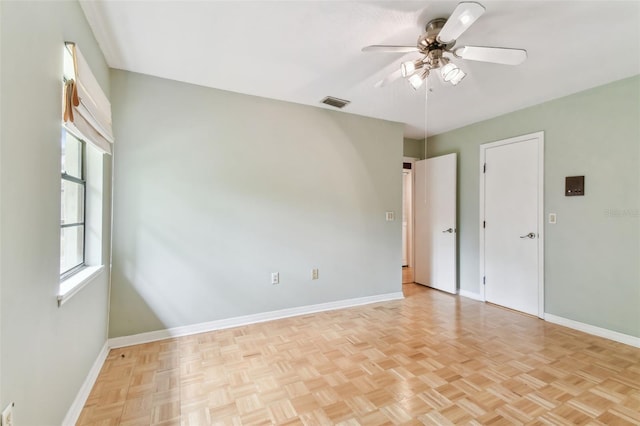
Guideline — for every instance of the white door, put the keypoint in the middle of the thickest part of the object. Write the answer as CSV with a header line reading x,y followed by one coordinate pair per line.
x,y
512,222
435,222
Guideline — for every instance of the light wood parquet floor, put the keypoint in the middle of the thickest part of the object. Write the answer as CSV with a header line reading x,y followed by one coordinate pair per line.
x,y
431,358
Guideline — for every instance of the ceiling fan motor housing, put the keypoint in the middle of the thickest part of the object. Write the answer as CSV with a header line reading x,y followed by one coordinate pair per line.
x,y
428,41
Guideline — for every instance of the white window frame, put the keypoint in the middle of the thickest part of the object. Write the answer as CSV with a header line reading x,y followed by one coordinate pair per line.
x,y
80,180
93,265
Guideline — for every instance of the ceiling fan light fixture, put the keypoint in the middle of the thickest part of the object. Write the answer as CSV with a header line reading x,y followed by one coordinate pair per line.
x,y
449,71
409,67
458,78
416,81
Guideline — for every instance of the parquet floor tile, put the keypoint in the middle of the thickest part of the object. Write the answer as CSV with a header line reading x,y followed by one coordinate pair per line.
x,y
431,358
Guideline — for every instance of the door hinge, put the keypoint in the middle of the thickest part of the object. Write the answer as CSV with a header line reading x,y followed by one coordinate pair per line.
x,y
484,280
484,224
484,168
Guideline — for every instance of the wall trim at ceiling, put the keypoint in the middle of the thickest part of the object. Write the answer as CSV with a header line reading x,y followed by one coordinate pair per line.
x,y
95,17
592,329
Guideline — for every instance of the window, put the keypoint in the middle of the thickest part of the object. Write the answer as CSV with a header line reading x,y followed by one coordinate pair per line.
x,y
72,201
81,214
85,139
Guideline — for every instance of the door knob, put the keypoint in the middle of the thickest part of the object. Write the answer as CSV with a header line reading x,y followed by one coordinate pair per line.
x,y
448,231
531,235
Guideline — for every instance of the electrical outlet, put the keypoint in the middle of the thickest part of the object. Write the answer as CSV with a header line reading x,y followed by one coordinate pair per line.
x,y
315,274
275,278
7,415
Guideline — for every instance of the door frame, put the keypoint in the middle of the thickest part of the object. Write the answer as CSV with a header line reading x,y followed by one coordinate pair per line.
x,y
483,148
410,224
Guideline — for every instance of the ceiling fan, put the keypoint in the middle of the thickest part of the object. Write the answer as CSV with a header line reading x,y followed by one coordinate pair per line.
x,y
437,46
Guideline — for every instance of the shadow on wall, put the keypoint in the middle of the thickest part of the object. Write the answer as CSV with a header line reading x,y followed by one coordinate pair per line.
x,y
205,214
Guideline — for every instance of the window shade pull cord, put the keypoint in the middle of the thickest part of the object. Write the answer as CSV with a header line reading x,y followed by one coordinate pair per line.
x,y
71,99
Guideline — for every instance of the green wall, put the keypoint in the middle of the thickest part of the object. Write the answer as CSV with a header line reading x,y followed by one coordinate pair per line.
x,y
414,148
592,255
46,352
216,190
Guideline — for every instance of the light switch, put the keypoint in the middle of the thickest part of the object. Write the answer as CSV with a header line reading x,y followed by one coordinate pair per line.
x,y
390,216
552,218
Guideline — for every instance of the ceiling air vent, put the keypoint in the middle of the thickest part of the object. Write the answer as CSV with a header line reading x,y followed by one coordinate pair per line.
x,y
335,102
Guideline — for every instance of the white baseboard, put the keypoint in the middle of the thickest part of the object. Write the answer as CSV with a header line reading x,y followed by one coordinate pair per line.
x,y
592,329
470,295
81,398
152,336
78,403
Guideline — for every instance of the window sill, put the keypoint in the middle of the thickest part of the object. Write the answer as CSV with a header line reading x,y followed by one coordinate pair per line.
x,y
76,282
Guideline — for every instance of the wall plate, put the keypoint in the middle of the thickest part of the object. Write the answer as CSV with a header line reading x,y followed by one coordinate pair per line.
x,y
574,185
7,415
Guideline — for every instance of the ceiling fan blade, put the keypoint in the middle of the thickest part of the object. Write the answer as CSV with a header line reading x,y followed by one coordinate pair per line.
x,y
497,55
389,79
463,16
393,49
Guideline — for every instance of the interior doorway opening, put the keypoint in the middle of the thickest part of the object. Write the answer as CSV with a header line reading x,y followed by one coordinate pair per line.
x,y
407,219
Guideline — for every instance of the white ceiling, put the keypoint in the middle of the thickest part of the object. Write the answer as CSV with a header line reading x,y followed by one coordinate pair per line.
x,y
301,51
